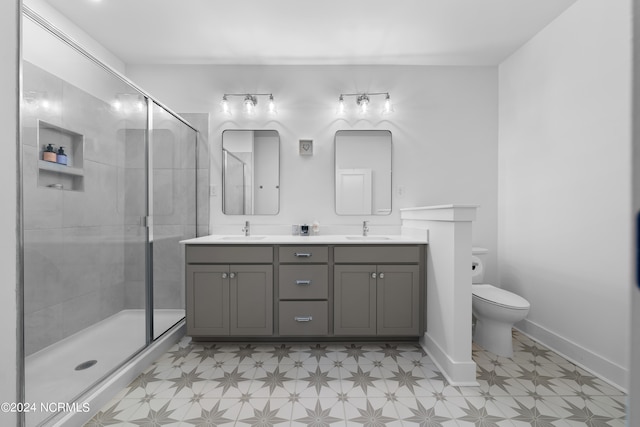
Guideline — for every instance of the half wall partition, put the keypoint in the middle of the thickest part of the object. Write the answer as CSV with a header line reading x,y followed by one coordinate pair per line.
x,y
109,186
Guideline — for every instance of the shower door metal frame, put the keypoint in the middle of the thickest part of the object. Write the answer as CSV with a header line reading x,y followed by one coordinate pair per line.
x,y
148,223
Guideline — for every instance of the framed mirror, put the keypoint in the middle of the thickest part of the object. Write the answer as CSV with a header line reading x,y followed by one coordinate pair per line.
x,y
363,172
250,172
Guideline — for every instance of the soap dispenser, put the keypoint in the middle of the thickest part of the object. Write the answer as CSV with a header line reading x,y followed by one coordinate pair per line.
x,y
49,154
62,156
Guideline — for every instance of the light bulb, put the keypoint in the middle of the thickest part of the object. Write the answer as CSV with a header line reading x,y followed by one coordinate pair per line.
x,y
363,102
250,104
388,106
272,106
341,108
224,106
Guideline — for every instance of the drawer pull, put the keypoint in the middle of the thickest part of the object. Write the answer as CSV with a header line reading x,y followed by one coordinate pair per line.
x,y
302,254
303,282
303,318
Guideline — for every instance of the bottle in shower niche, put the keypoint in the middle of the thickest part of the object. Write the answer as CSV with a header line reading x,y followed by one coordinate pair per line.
x,y
61,157
49,154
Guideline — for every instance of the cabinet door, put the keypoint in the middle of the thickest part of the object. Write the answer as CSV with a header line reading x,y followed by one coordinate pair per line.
x,y
354,300
398,294
251,301
207,292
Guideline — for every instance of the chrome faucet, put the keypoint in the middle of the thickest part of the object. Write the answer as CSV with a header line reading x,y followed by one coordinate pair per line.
x,y
365,228
246,229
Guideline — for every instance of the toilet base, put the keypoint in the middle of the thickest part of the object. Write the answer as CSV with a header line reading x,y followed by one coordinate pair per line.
x,y
493,336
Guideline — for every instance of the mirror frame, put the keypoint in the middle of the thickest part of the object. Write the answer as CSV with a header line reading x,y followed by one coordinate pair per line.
x,y
335,171
222,168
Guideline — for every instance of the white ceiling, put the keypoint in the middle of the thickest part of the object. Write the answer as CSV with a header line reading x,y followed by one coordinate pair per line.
x,y
419,32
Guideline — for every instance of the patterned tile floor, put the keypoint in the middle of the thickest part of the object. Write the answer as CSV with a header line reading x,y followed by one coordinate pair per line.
x,y
360,384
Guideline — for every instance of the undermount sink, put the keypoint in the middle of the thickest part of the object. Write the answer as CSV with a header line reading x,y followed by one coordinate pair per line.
x,y
243,238
367,238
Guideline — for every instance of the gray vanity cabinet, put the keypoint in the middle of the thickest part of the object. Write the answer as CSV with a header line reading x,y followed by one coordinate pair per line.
x,y
377,299
229,299
301,292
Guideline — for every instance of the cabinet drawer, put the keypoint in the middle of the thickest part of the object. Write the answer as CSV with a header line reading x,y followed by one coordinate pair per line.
x,y
304,318
223,254
304,282
377,254
304,254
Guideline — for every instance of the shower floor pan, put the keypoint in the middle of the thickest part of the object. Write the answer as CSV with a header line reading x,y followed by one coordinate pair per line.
x,y
51,375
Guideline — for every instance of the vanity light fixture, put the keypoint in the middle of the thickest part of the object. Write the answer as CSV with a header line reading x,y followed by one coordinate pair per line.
x,y
363,101
248,104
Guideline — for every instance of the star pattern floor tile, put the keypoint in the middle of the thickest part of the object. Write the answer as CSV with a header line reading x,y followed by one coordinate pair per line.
x,y
359,384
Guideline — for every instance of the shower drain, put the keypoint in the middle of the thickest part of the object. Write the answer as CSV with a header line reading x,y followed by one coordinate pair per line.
x,y
86,365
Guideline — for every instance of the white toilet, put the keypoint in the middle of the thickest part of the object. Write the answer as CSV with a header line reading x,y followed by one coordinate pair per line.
x,y
495,310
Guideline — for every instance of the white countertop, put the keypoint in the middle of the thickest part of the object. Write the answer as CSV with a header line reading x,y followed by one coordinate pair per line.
x,y
304,240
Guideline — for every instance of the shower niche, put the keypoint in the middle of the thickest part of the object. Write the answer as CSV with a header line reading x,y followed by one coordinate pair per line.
x,y
59,176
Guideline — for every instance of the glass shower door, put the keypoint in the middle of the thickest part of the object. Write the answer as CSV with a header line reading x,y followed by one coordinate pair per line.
x,y
84,242
173,180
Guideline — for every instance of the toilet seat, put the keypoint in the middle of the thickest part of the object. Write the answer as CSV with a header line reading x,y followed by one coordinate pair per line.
x,y
500,297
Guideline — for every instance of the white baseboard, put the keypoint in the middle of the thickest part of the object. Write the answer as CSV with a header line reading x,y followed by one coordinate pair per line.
x,y
598,365
456,373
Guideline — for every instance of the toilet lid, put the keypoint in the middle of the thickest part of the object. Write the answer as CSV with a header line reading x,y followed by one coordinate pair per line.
x,y
499,296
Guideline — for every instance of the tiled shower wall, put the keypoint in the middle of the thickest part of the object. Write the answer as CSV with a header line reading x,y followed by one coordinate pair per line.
x,y
84,256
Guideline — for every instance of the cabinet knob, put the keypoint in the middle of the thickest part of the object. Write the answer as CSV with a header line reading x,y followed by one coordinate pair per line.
x,y
232,275
381,275
373,275
224,275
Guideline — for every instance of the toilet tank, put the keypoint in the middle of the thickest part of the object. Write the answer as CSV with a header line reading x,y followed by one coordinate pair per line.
x,y
478,256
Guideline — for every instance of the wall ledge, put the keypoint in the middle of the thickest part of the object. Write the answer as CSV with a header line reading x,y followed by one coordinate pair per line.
x,y
440,213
